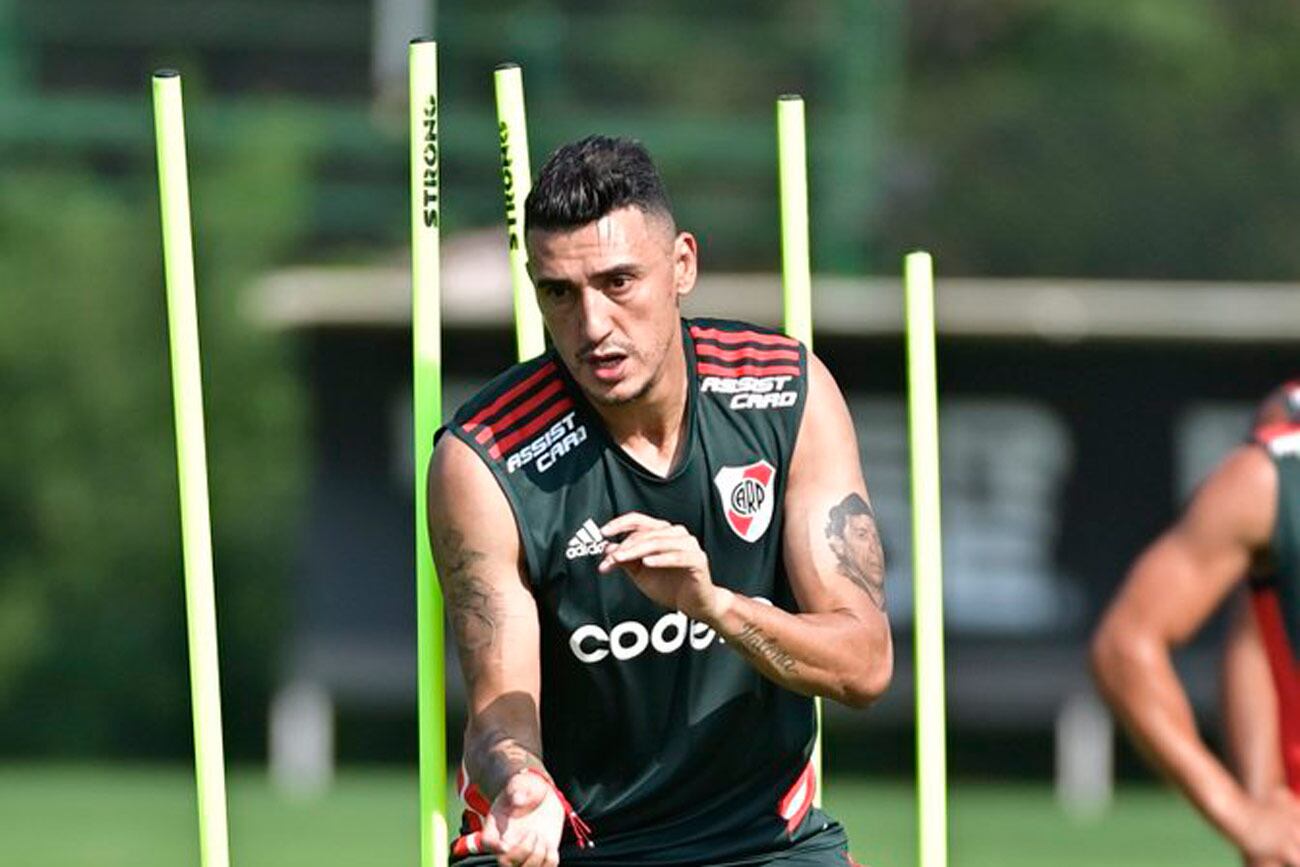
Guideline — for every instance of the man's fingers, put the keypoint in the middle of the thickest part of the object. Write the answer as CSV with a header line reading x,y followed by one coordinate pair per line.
x,y
490,838
629,522
642,547
667,560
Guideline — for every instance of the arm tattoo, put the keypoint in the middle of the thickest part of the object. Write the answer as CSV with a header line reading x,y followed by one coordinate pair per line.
x,y
473,605
764,646
851,532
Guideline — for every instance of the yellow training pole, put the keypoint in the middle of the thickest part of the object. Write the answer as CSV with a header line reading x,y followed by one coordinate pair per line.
x,y
192,468
426,338
796,269
927,570
516,180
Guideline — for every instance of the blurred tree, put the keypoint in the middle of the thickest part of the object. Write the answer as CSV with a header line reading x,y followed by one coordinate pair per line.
x,y
92,635
1158,138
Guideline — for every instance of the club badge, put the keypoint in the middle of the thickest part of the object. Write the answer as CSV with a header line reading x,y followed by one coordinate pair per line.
x,y
747,498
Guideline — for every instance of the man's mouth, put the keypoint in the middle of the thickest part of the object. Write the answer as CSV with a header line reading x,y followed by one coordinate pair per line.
x,y
607,366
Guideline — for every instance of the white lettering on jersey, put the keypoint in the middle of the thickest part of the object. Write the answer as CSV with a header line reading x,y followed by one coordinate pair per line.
x,y
752,392
627,640
559,439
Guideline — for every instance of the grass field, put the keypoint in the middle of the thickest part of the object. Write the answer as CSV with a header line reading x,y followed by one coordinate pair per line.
x,y
79,816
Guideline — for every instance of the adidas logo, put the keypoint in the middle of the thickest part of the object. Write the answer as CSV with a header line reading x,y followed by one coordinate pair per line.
x,y
587,542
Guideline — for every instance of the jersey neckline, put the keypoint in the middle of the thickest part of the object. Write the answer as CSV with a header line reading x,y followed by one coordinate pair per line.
x,y
593,418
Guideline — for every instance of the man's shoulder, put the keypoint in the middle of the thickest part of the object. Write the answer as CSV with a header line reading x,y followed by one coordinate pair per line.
x,y
526,416
529,392
734,331
734,357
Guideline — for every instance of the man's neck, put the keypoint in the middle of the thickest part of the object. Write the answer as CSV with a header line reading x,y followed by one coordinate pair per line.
x,y
652,428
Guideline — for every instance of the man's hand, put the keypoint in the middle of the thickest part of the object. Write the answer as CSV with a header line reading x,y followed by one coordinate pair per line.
x,y
666,562
1269,830
526,823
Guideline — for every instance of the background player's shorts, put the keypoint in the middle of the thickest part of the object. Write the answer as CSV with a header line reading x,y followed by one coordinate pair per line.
x,y
828,847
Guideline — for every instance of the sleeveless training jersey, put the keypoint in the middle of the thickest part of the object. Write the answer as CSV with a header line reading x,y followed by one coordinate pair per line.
x,y
669,744
1276,594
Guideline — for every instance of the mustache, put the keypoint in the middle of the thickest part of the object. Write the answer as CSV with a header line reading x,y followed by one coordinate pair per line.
x,y
606,348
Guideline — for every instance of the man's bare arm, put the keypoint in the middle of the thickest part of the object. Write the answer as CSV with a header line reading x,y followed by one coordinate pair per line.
x,y
1250,706
493,615
1169,593
838,645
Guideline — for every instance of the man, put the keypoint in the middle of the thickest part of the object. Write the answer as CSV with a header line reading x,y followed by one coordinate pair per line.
x,y
632,534
1243,523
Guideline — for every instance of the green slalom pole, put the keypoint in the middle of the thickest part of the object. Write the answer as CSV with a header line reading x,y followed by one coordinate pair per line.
x,y
516,180
192,468
426,336
796,270
927,560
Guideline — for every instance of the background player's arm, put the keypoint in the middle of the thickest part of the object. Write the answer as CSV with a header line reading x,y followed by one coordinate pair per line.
x,y
1250,706
494,621
1171,590
838,645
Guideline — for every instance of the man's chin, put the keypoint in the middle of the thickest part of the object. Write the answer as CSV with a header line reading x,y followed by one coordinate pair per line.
x,y
614,394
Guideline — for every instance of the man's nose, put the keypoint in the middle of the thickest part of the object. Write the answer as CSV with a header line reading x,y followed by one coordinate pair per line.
x,y
594,311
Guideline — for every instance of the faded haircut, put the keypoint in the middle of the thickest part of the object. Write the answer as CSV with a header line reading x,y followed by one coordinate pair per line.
x,y
587,179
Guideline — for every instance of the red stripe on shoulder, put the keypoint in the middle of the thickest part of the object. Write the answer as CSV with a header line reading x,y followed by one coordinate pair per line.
x,y
746,353
1265,434
721,336
506,443
747,370
513,393
503,424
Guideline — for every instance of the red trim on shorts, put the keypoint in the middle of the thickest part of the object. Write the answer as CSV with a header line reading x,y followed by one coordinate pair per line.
x,y
796,802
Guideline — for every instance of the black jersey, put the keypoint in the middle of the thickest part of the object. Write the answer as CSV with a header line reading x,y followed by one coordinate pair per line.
x,y
668,743
1276,592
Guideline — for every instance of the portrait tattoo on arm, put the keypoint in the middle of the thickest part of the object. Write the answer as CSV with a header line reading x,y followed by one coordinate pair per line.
x,y
851,532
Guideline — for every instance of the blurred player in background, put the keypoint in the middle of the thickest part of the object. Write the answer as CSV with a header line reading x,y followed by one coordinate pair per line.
x,y
1242,526
656,545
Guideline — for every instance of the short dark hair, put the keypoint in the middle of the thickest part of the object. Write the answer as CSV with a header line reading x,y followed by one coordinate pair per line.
x,y
587,179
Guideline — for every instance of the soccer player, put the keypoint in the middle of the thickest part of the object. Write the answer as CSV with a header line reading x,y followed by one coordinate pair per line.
x,y
656,546
1243,524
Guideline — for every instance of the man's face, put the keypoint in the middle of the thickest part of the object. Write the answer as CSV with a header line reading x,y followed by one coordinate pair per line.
x,y
859,542
609,292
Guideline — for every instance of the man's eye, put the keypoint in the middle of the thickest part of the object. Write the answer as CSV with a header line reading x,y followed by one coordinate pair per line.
x,y
620,281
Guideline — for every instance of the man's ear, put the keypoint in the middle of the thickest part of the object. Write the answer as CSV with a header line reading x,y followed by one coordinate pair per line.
x,y
685,263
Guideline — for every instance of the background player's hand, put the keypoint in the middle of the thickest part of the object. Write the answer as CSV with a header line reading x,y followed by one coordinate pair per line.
x,y
665,561
1271,831
525,824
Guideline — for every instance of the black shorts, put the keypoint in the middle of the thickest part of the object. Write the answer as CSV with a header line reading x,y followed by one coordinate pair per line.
x,y
828,847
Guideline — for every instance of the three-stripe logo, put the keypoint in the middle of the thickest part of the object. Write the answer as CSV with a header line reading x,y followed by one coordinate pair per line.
x,y
587,542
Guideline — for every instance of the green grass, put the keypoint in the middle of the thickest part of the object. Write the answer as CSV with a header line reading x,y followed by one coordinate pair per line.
x,y
89,816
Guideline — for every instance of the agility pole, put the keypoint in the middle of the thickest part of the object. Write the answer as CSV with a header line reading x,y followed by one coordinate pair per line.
x,y
927,563
192,468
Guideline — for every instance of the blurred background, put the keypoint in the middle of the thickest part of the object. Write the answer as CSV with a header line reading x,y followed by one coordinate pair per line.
x,y
1109,190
